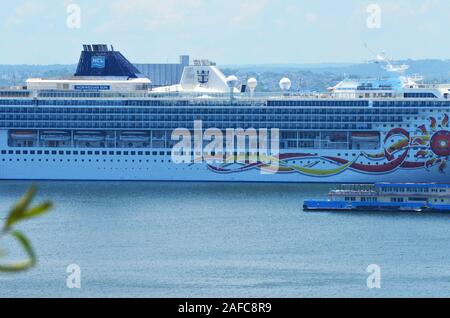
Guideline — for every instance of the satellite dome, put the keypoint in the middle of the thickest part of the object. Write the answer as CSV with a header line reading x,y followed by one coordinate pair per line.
x,y
252,83
232,81
285,84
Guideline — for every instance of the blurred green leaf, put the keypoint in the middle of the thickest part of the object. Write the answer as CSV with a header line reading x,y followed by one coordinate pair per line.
x,y
21,210
25,265
37,210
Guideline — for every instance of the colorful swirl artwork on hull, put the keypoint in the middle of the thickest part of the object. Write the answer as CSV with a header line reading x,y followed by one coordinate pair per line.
x,y
430,147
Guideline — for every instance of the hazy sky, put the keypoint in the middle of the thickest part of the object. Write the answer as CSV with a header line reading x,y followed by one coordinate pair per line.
x,y
226,31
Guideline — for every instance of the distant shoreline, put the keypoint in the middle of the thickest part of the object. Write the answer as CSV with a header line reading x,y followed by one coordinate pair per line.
x,y
309,77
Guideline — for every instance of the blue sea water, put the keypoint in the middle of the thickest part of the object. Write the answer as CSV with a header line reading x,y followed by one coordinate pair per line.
x,y
222,240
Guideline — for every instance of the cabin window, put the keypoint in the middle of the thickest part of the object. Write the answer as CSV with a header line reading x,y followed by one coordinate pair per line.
x,y
416,199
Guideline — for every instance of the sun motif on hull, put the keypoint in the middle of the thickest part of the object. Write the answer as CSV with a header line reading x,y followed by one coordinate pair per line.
x,y
434,144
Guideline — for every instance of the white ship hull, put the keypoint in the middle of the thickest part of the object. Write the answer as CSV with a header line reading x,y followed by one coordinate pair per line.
x,y
160,168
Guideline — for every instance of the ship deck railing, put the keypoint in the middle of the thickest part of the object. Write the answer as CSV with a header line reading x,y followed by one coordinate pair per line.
x,y
259,98
353,193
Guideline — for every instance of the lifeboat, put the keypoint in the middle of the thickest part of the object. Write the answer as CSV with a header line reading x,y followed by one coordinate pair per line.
x,y
134,136
89,136
55,136
23,135
366,136
338,137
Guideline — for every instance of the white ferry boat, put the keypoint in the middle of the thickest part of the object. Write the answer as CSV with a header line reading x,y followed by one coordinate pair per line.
x,y
108,123
401,197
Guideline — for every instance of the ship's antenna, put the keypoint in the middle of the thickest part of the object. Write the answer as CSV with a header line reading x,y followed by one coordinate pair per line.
x,y
300,79
252,83
232,81
285,85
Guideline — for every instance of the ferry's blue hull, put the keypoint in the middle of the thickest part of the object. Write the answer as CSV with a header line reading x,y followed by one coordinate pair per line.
x,y
314,205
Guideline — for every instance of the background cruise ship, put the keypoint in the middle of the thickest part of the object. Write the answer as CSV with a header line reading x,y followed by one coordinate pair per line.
x,y
108,123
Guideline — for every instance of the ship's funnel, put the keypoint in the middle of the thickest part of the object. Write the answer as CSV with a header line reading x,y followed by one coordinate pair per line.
x,y
99,60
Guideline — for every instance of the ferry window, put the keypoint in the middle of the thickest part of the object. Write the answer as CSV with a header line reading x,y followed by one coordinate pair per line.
x,y
83,152
97,153
75,152
161,153
25,152
111,153
155,153
133,153
53,152
3,152
17,152
125,153
89,152
10,152
147,153
61,152
140,153
32,152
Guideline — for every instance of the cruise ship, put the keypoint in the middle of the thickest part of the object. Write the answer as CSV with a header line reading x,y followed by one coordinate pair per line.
x,y
107,122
